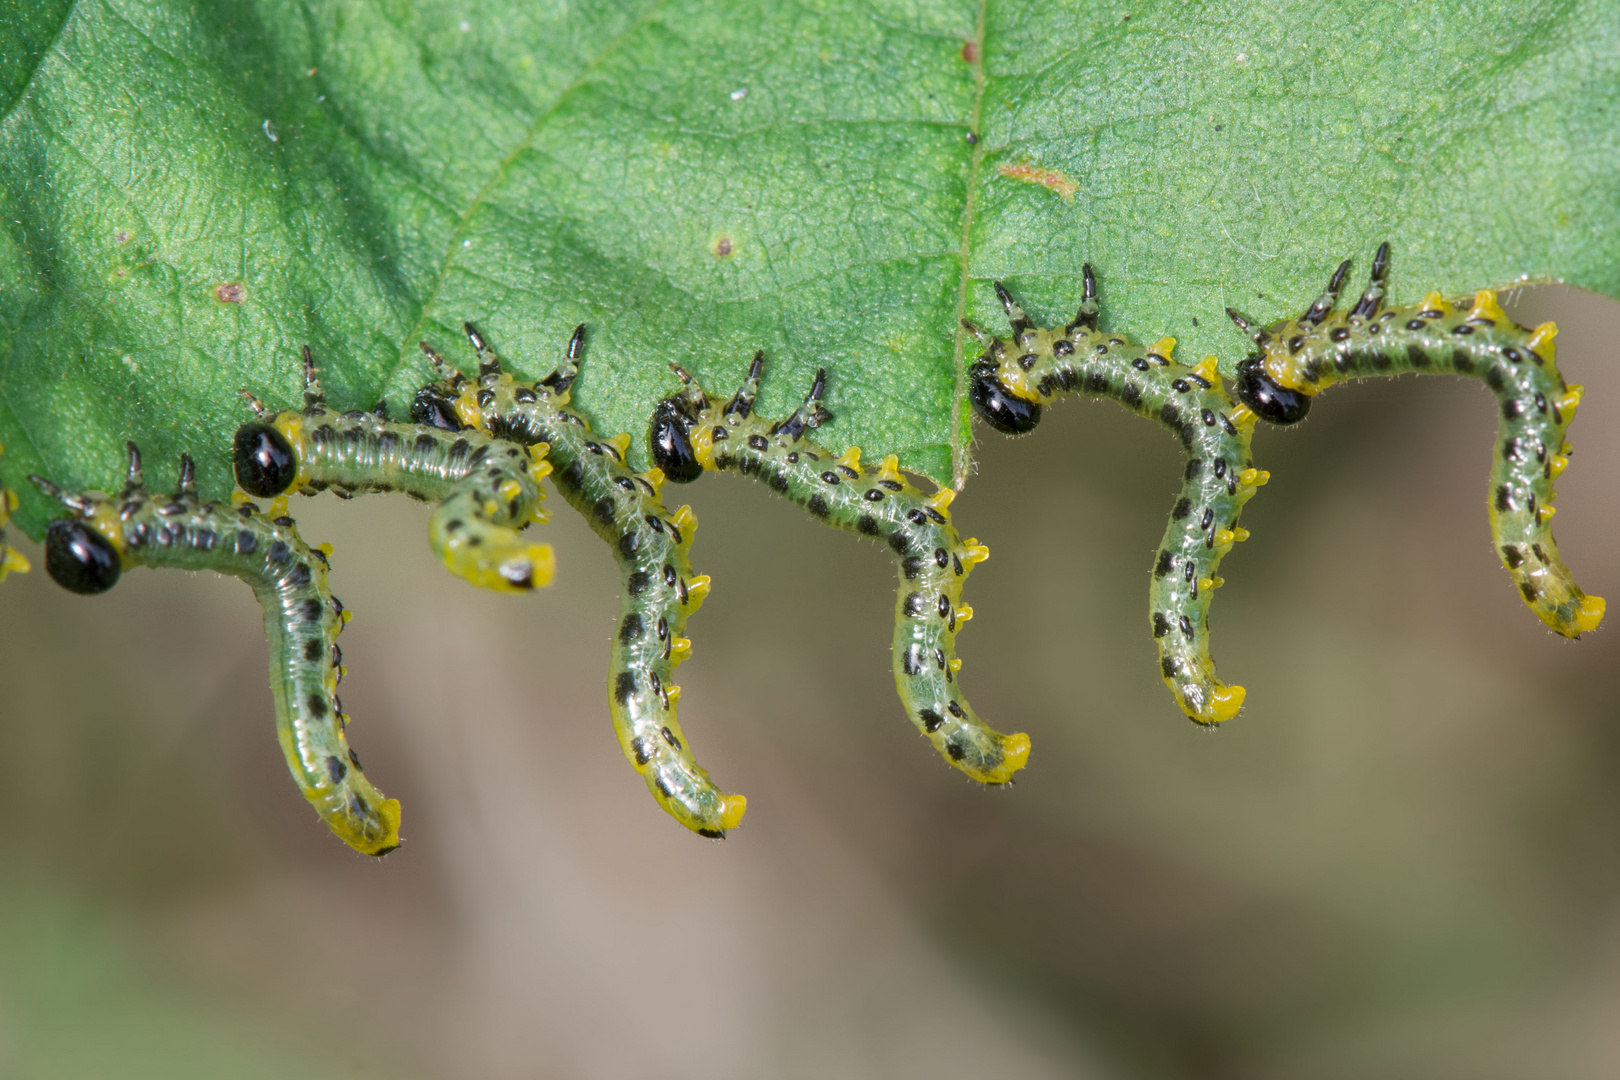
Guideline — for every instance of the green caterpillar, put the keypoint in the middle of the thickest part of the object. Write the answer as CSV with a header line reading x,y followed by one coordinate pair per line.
x,y
692,432
11,560
1295,359
1015,377
651,545
487,489
87,553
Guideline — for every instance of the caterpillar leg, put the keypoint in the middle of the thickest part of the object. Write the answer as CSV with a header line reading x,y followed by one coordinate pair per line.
x,y
652,546
1015,377
692,432
488,489
89,550
11,560
1295,359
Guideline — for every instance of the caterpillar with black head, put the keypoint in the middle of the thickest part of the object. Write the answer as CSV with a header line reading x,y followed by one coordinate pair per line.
x,y
487,489
651,545
692,433
11,560
1014,377
88,552
1295,359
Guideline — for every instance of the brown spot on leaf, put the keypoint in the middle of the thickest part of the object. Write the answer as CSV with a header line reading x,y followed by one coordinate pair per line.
x,y
230,292
1050,179
970,51
722,247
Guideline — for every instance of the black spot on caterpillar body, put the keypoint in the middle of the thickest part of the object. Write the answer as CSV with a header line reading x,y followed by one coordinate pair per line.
x,y
1037,366
651,545
87,551
1471,336
487,488
11,560
868,501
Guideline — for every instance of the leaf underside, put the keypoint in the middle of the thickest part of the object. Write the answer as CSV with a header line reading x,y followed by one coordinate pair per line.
x,y
193,189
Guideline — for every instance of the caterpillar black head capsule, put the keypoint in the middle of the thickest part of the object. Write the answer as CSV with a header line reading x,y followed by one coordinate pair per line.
x,y
80,559
265,465
1000,408
669,440
1269,399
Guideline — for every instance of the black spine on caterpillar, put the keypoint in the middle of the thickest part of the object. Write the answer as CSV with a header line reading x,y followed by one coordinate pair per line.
x,y
88,552
651,545
1468,335
1036,366
11,560
487,489
692,428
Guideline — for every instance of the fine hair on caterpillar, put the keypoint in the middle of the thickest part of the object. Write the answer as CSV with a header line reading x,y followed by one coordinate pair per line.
x,y
1013,378
103,536
650,544
1295,359
692,433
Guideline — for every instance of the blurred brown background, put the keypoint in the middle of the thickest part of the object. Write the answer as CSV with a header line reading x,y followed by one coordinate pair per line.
x,y
1401,860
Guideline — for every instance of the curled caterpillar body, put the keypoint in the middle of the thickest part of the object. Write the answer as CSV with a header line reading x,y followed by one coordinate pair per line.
x,y
651,545
1036,366
11,560
1470,336
487,489
868,501
88,552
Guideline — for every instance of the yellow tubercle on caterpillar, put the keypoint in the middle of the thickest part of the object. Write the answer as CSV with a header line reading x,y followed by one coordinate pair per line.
x,y
1163,347
1433,301
1541,341
1208,371
685,519
13,562
680,651
468,411
621,442
1559,464
890,469
964,613
697,590
673,692
1486,307
941,501
955,665
975,552
654,478
1254,478
1571,400
346,617
703,446
851,459
325,549
1208,583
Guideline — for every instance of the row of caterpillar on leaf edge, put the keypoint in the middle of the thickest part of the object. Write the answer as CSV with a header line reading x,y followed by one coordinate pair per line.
x,y
486,471
692,433
104,535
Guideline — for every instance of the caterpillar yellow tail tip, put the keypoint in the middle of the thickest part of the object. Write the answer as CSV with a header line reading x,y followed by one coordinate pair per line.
x,y
1224,703
1589,613
375,845
732,809
1014,756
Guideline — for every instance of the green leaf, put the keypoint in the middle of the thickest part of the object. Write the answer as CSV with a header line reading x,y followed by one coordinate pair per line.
x,y
192,189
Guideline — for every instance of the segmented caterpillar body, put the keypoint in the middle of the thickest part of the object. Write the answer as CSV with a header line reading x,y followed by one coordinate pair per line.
x,y
1015,376
693,432
11,560
487,488
651,545
1297,358
87,553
